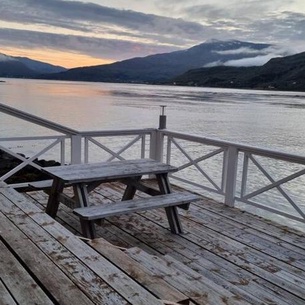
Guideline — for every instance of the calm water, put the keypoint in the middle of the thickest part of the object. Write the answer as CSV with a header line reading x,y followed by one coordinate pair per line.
x,y
273,120
266,119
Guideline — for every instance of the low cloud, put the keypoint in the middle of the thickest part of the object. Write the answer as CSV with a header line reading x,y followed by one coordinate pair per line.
x,y
262,56
249,62
243,50
213,64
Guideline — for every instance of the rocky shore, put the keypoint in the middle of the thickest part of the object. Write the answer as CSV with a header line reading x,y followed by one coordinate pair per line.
x,y
28,173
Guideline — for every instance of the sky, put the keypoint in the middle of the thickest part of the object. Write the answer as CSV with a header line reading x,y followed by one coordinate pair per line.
x,y
75,33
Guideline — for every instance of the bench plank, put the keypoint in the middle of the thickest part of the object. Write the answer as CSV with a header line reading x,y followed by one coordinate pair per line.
x,y
136,205
170,202
41,185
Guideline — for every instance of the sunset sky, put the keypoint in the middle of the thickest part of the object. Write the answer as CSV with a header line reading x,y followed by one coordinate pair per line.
x,y
80,33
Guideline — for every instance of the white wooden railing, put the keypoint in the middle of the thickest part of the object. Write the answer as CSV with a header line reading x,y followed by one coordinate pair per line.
x,y
265,179
116,145
74,146
237,174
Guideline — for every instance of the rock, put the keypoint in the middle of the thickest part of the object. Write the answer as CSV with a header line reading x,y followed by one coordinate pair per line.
x,y
28,173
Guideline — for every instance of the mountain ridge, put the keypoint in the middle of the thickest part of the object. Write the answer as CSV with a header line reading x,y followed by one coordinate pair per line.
x,y
161,67
284,73
15,66
205,64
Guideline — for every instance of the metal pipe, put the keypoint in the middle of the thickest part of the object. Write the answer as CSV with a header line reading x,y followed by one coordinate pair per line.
x,y
162,117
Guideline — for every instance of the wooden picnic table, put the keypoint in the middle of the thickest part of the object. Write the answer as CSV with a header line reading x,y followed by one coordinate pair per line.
x,y
86,177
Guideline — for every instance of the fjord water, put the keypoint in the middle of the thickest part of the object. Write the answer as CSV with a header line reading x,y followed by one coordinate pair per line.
x,y
267,119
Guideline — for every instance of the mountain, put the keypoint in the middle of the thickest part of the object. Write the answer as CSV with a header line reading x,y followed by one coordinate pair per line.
x,y
160,67
285,73
15,69
39,66
25,67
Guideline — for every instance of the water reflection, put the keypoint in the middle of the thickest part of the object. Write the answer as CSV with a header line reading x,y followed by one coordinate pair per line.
x,y
259,118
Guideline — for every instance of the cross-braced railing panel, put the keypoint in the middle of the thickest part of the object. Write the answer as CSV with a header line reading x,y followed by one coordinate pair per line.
x,y
273,185
29,149
109,148
199,165
265,180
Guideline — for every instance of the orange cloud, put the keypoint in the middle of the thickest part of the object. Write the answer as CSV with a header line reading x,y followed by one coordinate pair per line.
x,y
54,57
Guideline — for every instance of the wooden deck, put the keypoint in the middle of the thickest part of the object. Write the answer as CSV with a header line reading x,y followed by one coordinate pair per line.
x,y
226,256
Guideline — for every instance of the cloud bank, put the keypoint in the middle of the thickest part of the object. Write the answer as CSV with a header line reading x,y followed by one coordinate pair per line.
x,y
116,34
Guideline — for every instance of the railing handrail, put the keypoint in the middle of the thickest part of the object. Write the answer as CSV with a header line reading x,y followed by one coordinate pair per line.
x,y
121,132
241,147
36,120
11,139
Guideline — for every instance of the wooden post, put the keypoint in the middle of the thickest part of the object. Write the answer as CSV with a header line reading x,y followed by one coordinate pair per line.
x,y
156,145
230,175
76,149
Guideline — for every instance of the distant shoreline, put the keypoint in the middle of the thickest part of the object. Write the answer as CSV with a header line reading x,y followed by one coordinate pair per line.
x,y
271,88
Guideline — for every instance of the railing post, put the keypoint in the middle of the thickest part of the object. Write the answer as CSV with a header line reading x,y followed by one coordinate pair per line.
x,y
156,145
157,138
230,175
76,149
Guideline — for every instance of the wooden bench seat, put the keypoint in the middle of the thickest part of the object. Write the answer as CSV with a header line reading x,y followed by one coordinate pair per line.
x,y
88,215
41,185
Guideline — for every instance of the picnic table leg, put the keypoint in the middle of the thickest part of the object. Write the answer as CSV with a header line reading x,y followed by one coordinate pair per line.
x,y
130,189
171,212
53,201
88,228
81,194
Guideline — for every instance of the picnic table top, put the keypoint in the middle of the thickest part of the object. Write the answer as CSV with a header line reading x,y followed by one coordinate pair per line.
x,y
108,170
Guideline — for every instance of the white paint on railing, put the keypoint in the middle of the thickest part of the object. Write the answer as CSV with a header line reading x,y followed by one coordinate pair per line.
x,y
156,146
36,120
194,162
230,174
139,136
277,185
76,149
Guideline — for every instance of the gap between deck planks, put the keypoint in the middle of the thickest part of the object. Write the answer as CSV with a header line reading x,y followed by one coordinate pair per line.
x,y
191,249
56,242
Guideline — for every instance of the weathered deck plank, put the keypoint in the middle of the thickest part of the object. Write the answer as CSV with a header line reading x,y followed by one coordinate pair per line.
x,y
41,266
195,249
16,281
253,259
6,296
249,258
70,270
154,284
196,286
